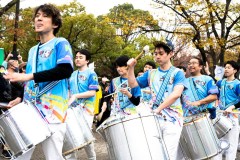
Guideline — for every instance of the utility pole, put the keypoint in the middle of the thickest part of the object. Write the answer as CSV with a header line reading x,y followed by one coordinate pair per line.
x,y
15,36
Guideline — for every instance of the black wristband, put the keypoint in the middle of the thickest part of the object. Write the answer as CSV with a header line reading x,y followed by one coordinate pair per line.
x,y
237,105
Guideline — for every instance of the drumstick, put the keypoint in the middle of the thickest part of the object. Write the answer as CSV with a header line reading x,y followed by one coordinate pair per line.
x,y
114,93
138,56
145,49
111,94
221,111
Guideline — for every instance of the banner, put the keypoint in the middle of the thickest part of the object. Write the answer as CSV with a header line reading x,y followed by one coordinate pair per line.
x,y
1,55
219,72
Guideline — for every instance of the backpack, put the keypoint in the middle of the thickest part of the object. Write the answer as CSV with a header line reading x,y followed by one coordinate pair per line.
x,y
5,89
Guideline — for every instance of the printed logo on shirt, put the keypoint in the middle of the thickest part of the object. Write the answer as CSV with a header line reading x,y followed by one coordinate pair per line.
x,y
83,78
171,81
67,47
161,79
95,78
201,83
45,53
230,86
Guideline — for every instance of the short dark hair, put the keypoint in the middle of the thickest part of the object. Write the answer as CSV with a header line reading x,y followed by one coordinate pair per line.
x,y
234,65
84,52
121,61
167,45
182,67
51,11
1,66
150,63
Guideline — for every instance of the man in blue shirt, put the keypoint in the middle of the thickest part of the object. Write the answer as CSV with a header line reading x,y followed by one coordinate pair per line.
x,y
229,99
166,84
50,60
83,87
201,91
125,99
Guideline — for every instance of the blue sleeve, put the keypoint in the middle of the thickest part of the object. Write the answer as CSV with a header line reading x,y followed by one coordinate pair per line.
x,y
179,79
111,88
136,91
93,82
4,64
212,87
238,90
64,52
186,84
143,80
219,83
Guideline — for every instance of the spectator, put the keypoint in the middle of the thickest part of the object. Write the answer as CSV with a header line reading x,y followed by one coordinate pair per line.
x,y
11,94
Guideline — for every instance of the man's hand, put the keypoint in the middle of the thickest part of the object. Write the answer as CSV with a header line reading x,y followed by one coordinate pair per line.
x,y
14,102
157,111
131,62
18,77
125,92
206,69
72,99
20,58
196,103
9,56
229,110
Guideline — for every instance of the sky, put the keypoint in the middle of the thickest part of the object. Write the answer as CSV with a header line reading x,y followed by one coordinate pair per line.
x,y
96,7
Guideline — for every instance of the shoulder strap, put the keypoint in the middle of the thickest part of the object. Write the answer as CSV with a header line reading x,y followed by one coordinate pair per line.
x,y
50,85
223,88
163,87
193,89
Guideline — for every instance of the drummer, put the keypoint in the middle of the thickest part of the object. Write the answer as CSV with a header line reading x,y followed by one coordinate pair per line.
x,y
201,91
124,102
199,94
166,99
49,61
83,87
229,99
146,93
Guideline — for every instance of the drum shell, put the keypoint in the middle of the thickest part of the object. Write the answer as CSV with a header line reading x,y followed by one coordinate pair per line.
x,y
22,127
199,140
222,126
133,137
78,132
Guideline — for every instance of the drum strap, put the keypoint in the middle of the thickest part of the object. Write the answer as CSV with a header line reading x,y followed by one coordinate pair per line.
x,y
161,92
195,93
223,84
163,87
50,85
193,89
